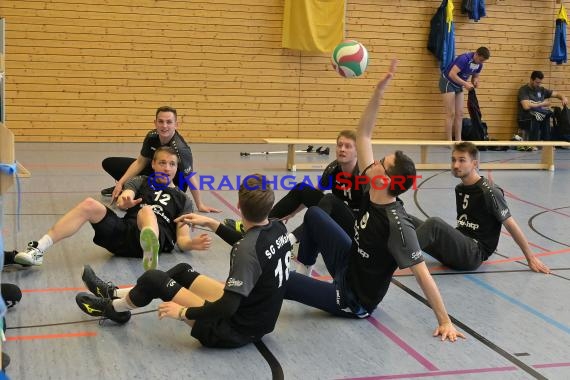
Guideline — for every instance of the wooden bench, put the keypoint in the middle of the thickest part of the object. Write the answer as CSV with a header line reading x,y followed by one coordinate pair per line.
x,y
546,161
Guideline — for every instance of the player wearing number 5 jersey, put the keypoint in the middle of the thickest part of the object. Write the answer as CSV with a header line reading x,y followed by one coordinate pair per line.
x,y
481,213
231,315
151,205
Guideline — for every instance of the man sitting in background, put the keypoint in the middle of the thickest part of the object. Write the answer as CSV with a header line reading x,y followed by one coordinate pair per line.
x,y
533,108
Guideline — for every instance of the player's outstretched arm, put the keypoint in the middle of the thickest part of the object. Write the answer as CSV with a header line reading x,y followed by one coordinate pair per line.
x,y
534,262
368,119
445,328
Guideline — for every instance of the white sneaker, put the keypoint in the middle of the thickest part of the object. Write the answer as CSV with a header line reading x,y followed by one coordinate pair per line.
x,y
295,251
150,246
31,256
296,265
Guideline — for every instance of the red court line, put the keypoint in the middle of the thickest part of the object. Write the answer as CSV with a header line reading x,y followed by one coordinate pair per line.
x,y
55,290
441,268
52,336
436,373
455,372
225,202
511,195
403,345
511,259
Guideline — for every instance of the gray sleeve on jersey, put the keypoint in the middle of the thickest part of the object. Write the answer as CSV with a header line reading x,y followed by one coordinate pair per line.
x,y
245,269
188,205
403,242
497,204
135,183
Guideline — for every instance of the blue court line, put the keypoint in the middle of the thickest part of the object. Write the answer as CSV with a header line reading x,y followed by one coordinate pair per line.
x,y
518,303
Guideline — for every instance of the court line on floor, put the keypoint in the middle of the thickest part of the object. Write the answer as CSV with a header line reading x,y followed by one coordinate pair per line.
x,y
517,198
387,332
51,336
225,202
98,320
402,344
274,365
276,369
55,290
535,230
505,354
455,372
518,303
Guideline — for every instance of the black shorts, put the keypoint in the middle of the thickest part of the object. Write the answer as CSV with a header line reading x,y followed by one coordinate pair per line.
x,y
220,334
121,236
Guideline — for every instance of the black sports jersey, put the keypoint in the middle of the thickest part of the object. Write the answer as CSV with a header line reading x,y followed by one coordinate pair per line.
x,y
167,204
259,269
481,210
384,239
342,184
185,160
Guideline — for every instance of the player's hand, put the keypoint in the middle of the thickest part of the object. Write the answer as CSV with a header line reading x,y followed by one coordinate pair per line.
x,y
126,201
388,76
538,266
169,310
201,242
448,331
194,219
203,208
116,191
469,86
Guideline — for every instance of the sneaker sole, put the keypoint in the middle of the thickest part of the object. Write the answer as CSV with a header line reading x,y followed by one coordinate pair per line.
x,y
150,246
24,260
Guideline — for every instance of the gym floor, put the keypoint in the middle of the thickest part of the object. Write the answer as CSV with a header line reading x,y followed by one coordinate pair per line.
x,y
517,322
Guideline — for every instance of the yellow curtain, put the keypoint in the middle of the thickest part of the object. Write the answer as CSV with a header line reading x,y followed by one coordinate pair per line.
x,y
449,14
313,25
562,15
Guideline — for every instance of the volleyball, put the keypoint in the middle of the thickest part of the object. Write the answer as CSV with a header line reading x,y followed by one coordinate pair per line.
x,y
350,59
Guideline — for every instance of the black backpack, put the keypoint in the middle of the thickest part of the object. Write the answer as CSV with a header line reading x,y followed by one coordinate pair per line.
x,y
561,121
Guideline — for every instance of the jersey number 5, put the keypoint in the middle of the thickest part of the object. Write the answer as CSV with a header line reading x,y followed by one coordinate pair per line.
x,y
283,267
465,201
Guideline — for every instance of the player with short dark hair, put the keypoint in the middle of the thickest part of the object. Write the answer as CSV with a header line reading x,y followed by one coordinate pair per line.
x,y
384,239
148,227
230,315
165,133
481,212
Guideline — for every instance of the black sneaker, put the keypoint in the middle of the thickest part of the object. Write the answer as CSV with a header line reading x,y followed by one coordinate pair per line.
x,y
234,225
97,286
101,307
5,360
108,191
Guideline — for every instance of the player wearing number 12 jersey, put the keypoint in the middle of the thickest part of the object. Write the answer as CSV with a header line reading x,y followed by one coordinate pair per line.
x,y
233,314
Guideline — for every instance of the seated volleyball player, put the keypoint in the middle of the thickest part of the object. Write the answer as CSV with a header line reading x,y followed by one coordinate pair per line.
x,y
230,315
341,203
384,239
148,227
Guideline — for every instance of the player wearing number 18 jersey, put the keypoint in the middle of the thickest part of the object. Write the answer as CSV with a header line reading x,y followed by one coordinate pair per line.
x,y
233,314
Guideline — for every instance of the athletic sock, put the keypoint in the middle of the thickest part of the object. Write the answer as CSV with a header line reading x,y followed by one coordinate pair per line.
x,y
44,243
122,292
121,305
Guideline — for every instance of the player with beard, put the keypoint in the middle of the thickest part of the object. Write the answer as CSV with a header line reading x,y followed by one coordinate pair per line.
x,y
481,212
